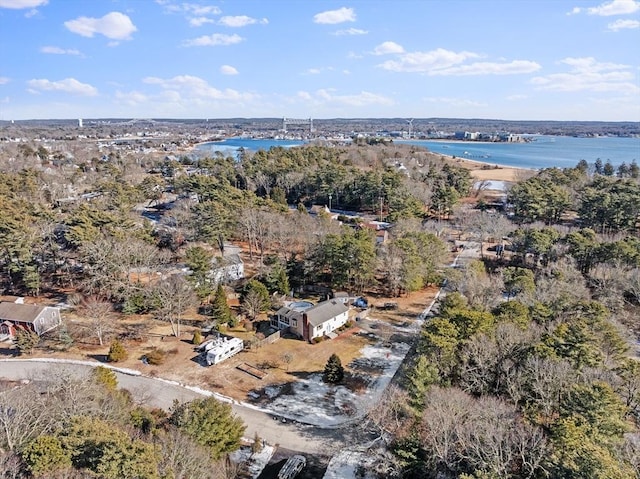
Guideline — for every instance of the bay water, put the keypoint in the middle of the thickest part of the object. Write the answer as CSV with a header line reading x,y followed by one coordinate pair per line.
x,y
539,152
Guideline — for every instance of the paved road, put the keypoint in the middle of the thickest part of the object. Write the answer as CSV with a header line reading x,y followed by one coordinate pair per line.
x,y
157,393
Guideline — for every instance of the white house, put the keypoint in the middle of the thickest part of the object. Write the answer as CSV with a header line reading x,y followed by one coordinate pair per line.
x,y
32,317
312,321
220,348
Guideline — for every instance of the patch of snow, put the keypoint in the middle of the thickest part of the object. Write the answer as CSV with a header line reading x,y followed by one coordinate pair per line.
x,y
346,464
272,391
491,185
255,462
320,404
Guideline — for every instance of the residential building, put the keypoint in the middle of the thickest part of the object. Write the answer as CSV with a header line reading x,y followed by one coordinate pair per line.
x,y
32,317
310,321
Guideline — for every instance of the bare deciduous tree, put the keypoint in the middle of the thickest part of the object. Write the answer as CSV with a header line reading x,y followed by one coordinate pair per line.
x,y
99,314
182,457
487,433
175,296
387,415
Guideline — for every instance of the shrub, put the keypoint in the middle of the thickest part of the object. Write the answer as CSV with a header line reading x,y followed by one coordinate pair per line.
x,y
45,454
105,377
117,352
197,337
26,340
155,356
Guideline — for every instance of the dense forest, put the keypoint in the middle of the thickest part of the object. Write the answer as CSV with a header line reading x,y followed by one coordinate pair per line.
x,y
529,369
526,371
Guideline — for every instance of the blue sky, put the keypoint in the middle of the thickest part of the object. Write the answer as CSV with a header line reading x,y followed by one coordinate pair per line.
x,y
508,59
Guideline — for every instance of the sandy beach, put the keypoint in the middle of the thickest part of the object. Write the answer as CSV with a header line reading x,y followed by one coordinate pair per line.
x,y
490,171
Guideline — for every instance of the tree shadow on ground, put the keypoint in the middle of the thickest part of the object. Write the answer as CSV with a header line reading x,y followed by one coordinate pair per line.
x,y
8,351
99,357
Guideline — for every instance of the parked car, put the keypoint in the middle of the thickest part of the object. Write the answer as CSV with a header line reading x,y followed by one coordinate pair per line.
x,y
292,467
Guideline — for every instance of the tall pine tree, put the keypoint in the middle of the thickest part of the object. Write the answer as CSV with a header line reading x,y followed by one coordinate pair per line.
x,y
220,310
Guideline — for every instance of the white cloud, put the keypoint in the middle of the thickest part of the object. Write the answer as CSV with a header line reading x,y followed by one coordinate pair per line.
x,y
317,70
335,16
623,25
199,21
427,62
362,99
59,51
215,39
615,7
240,21
589,64
190,8
197,15
575,11
386,48
515,67
132,98
114,25
446,62
19,4
587,74
4,80
68,85
228,70
350,31
516,97
194,88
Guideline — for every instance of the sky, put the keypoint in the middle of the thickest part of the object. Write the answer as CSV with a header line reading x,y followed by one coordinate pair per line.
x,y
500,59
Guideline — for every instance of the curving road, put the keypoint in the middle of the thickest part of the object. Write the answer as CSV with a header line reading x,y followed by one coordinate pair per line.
x,y
159,393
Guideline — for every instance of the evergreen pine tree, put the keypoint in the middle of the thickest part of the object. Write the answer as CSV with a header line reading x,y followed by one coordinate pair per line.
x,y
333,370
282,281
220,310
419,380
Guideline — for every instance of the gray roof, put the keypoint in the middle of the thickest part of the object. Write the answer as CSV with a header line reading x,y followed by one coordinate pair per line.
x,y
325,311
289,313
24,313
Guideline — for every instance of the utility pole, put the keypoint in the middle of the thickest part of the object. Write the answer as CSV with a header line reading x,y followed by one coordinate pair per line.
x,y
329,202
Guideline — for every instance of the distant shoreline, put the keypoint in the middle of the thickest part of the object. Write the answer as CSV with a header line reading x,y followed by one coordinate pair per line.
x,y
480,170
